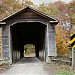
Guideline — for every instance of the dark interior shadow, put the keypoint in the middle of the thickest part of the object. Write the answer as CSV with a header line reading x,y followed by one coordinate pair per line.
x,y
29,60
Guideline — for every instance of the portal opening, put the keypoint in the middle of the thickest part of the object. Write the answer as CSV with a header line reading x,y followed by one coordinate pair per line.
x,y
25,33
29,50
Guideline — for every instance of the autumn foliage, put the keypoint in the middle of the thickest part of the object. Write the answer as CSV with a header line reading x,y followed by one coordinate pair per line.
x,y
62,40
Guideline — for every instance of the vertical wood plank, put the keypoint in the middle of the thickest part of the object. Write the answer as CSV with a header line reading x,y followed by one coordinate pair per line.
x,y
52,41
5,41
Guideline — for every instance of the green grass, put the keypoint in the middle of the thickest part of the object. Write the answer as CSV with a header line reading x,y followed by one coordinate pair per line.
x,y
64,72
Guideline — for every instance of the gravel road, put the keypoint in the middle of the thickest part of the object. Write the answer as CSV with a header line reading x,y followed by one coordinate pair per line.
x,y
30,66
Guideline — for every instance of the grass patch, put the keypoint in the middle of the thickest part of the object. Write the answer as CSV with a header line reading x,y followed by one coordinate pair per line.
x,y
61,72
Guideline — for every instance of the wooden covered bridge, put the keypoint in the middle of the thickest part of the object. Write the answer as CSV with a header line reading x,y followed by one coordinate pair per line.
x,y
28,26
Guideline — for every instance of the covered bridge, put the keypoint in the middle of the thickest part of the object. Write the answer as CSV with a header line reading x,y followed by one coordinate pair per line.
x,y
28,26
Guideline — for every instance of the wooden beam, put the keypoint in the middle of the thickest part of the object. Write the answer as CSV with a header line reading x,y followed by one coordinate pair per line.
x,y
53,21
2,22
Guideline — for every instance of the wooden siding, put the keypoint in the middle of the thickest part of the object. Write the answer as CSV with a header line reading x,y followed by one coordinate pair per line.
x,y
5,41
52,40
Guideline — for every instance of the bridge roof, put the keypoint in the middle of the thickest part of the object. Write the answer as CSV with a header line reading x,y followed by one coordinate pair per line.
x,y
52,20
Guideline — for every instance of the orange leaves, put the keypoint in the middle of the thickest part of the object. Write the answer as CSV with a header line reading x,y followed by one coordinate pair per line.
x,y
62,41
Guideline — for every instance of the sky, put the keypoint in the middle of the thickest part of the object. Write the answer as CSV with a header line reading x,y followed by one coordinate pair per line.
x,y
46,1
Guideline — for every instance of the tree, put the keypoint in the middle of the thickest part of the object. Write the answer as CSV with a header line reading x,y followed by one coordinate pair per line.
x,y
62,8
48,9
27,2
62,41
8,7
71,12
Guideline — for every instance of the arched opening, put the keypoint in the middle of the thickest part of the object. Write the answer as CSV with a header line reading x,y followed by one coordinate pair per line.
x,y
27,33
29,50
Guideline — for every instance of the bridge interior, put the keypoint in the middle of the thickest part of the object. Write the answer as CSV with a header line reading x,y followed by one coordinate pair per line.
x,y
28,33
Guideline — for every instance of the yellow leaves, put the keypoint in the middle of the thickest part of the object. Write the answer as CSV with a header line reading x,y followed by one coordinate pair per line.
x,y
62,41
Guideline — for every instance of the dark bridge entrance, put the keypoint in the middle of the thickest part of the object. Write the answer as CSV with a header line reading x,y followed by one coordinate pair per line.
x,y
28,33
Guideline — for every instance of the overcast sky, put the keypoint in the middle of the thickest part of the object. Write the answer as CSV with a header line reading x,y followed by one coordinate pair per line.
x,y
46,1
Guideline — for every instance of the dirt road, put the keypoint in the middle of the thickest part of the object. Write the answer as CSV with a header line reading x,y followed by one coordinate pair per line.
x,y
30,66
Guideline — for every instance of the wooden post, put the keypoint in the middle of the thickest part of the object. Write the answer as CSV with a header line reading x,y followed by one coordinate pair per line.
x,y
72,68
0,42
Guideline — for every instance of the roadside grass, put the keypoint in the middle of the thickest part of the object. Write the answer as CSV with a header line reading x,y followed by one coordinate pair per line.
x,y
64,72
